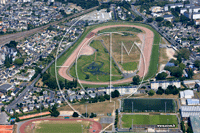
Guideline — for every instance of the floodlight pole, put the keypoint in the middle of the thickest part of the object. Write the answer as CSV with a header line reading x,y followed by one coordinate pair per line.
x,y
110,63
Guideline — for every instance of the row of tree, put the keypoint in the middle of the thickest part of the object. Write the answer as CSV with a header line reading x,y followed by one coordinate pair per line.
x,y
50,81
170,90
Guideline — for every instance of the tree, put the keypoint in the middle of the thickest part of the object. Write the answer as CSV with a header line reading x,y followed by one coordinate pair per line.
x,y
85,114
92,115
197,63
54,112
18,62
2,109
52,83
189,130
136,80
138,18
160,91
151,92
75,114
87,76
161,76
190,73
115,94
149,20
184,53
159,19
183,126
182,66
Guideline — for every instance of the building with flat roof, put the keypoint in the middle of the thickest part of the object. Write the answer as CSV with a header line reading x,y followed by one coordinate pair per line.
x,y
164,84
5,87
192,101
187,111
187,94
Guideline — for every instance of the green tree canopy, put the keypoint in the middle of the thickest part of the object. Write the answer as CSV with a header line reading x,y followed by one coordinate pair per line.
x,y
18,62
136,80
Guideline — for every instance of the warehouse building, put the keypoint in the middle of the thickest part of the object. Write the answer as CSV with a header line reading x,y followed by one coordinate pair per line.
x,y
187,111
187,94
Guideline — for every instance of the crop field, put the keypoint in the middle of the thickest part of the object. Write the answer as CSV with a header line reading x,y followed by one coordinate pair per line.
x,y
148,105
96,67
60,127
124,51
148,120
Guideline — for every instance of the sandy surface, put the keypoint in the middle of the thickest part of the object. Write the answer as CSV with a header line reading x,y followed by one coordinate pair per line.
x,y
149,36
170,53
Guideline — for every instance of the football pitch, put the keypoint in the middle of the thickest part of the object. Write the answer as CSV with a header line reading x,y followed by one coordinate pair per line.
x,y
148,120
148,105
62,127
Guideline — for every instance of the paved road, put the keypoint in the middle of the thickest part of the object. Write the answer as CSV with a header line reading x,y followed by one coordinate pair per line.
x,y
4,39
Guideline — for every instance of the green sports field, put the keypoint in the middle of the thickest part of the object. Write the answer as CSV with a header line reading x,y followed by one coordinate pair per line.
x,y
148,105
61,127
148,120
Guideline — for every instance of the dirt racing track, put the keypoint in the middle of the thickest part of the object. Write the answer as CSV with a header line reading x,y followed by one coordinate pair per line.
x,y
83,48
96,126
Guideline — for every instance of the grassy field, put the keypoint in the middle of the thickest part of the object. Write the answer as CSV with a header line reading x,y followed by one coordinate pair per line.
x,y
119,29
148,105
97,66
153,66
163,59
59,127
87,30
148,120
130,66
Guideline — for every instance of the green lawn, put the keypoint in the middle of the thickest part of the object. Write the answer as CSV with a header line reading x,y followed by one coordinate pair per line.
x,y
118,29
87,30
59,128
97,66
153,66
130,66
148,120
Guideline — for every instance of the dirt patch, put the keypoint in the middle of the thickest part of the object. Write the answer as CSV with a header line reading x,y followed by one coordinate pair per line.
x,y
170,53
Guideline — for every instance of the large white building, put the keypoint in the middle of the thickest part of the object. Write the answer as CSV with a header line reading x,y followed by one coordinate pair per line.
x,y
187,94
122,90
196,15
164,84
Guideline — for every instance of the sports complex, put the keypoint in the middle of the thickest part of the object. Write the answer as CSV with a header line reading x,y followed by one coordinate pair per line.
x,y
135,50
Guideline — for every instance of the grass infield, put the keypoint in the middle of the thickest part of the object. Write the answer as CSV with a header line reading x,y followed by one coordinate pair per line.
x,y
62,127
96,66
87,30
148,120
